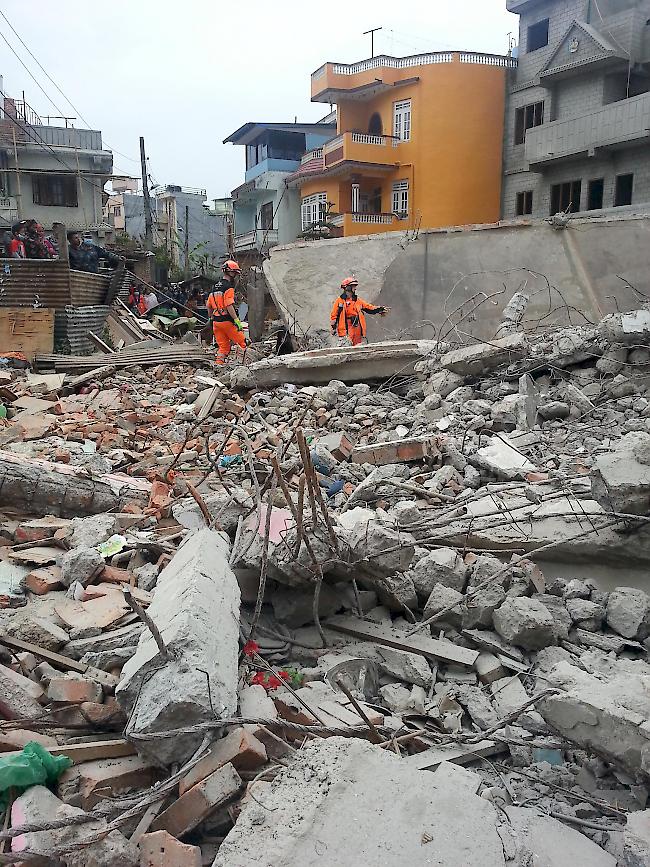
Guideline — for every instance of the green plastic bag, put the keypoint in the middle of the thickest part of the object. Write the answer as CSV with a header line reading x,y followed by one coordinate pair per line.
x,y
33,766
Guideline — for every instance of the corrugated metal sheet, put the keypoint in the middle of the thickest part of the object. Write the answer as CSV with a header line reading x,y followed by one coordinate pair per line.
x,y
87,289
34,282
44,283
71,327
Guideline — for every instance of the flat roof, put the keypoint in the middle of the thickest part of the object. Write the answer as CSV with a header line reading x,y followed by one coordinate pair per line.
x,y
251,130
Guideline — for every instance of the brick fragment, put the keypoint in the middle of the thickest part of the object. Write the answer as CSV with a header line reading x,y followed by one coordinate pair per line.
x,y
160,849
73,690
18,696
41,581
240,747
199,801
396,451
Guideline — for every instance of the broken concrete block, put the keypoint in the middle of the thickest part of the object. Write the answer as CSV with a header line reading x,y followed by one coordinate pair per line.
x,y
397,451
196,609
482,357
370,542
36,630
442,383
160,849
82,565
441,566
540,839
489,668
630,327
39,805
396,592
620,480
636,841
123,636
198,802
479,608
603,708
502,459
589,615
342,786
401,700
409,667
525,622
73,690
477,705
19,696
240,748
439,599
628,613
91,531
294,607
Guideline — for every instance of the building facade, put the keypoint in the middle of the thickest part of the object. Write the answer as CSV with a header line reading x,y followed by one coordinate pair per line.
x,y
578,108
51,174
418,143
266,211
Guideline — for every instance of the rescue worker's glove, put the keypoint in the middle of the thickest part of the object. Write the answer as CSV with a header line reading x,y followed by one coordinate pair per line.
x,y
239,325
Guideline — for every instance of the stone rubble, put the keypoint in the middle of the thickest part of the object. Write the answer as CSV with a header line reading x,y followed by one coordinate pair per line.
x,y
441,574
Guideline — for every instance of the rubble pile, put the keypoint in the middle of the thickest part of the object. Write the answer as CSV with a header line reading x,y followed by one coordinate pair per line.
x,y
400,620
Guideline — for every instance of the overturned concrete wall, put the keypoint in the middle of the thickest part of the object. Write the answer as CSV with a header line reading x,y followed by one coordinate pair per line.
x,y
573,275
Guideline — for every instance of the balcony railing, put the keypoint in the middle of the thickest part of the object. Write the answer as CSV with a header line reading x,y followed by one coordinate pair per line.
x,y
315,154
358,147
258,239
372,218
611,127
383,60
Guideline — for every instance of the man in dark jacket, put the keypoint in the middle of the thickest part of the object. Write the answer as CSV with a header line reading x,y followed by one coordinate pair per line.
x,y
85,256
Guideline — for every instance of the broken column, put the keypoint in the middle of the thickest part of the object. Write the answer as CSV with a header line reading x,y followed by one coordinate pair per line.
x,y
196,610
620,480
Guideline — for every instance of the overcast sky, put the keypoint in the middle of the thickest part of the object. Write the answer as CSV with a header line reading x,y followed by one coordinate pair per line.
x,y
187,74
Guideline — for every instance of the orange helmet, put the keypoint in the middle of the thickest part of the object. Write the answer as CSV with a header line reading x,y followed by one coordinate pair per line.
x,y
349,283
231,265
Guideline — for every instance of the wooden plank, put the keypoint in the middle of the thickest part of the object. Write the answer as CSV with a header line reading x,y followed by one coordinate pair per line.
x,y
26,330
100,343
58,660
431,648
89,752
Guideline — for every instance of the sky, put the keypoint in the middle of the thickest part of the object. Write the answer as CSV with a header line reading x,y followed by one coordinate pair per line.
x,y
187,74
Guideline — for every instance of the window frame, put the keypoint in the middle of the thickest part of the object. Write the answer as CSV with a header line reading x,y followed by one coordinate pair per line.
x,y
315,207
524,203
45,193
590,187
527,117
264,212
400,195
572,207
402,120
531,28
617,202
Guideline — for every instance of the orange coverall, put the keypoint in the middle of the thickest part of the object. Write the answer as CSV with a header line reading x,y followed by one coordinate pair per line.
x,y
224,329
348,317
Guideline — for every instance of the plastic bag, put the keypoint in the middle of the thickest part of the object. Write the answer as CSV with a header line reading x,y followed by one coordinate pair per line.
x,y
33,766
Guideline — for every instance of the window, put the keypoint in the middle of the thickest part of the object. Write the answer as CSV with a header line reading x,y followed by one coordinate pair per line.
x,y
566,197
623,193
401,198
524,203
313,209
527,117
537,36
402,120
55,190
595,194
375,126
266,216
117,210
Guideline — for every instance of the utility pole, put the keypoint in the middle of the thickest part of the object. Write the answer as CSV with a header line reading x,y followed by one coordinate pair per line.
x,y
187,242
372,38
148,224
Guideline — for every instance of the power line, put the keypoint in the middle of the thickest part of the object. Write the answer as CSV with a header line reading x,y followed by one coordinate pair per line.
x,y
49,77
20,60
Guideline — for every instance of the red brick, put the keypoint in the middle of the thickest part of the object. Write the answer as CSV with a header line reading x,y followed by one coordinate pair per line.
x,y
108,778
15,739
41,581
39,529
397,451
73,691
160,849
240,747
199,801
107,714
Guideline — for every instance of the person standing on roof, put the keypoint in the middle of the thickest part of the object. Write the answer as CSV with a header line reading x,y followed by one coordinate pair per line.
x,y
348,312
226,326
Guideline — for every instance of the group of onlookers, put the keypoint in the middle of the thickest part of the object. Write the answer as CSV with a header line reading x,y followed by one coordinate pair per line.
x,y
28,241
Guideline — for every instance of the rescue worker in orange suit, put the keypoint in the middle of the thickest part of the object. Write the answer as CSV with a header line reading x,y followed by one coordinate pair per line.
x,y
348,317
226,326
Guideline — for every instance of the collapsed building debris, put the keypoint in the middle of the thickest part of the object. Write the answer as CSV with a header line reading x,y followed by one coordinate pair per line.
x,y
251,615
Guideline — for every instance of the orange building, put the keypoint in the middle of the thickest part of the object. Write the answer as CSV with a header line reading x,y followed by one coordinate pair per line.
x,y
419,143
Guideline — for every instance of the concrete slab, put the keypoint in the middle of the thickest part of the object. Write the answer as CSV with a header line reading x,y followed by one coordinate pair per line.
x,y
342,803
196,609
